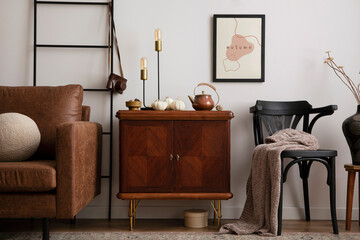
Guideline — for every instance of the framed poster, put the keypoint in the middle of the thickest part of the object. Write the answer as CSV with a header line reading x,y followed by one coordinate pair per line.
x,y
239,48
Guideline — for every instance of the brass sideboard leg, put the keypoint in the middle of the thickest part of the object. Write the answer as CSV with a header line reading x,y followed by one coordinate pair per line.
x,y
132,212
217,211
136,204
215,215
134,217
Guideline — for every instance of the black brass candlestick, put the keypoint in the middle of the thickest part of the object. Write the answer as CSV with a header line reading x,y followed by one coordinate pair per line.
x,y
143,76
158,62
158,48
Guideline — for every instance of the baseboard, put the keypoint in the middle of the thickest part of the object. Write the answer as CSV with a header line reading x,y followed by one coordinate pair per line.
x,y
176,212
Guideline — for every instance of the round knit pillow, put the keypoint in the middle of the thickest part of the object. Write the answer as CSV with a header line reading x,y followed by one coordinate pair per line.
x,y
19,137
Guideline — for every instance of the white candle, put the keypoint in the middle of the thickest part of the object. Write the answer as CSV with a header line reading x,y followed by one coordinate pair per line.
x,y
157,34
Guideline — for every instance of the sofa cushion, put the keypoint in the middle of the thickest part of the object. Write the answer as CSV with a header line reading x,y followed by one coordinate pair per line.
x,y
47,106
28,176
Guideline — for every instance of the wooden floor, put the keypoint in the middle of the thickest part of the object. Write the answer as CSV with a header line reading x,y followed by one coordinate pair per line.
x,y
142,225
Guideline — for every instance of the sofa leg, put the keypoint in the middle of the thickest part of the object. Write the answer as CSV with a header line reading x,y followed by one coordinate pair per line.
x,y
73,221
46,228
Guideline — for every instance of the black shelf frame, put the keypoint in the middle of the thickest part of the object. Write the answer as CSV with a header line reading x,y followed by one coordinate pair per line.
x,y
36,45
71,46
72,3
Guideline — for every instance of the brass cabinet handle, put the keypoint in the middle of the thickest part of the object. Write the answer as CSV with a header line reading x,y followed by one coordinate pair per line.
x,y
177,157
171,157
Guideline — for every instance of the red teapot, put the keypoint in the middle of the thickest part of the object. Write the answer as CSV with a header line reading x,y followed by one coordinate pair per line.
x,y
203,101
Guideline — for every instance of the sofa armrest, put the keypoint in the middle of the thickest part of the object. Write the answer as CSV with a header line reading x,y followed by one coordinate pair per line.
x,y
85,113
78,166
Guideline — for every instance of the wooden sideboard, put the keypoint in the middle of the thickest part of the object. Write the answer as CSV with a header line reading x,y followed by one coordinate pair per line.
x,y
174,155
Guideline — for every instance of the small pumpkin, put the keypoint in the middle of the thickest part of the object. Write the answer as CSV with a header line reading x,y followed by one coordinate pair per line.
x,y
169,101
159,105
178,105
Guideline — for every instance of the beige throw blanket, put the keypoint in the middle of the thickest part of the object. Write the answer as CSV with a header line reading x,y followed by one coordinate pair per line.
x,y
263,187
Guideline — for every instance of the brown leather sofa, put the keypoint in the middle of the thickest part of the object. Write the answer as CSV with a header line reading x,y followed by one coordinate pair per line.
x,y
63,176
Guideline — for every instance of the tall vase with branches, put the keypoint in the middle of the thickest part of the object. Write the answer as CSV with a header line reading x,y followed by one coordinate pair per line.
x,y
351,125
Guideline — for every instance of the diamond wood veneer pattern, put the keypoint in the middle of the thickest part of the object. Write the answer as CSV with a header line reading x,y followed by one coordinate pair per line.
x,y
147,146
201,147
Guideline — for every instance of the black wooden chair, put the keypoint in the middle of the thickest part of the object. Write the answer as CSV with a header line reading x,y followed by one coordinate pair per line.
x,y
269,117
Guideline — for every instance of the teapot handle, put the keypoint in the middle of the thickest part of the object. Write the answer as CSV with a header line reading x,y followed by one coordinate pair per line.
x,y
211,86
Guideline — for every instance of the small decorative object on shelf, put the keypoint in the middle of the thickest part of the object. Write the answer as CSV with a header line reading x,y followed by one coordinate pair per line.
x,y
178,105
158,49
219,108
144,76
159,105
133,104
351,125
169,101
158,38
143,66
203,101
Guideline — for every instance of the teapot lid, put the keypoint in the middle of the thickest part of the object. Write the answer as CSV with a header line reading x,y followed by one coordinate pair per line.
x,y
202,94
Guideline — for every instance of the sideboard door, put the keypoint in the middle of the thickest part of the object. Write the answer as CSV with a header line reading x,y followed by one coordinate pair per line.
x,y
144,154
203,163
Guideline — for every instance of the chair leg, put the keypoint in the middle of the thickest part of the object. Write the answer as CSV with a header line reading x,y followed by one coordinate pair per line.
x,y
73,221
304,174
280,211
332,196
306,194
46,229
359,192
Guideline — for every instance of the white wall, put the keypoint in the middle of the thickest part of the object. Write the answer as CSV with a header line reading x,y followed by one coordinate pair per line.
x,y
298,33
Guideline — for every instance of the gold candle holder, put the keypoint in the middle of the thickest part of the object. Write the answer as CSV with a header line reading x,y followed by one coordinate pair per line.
x,y
143,74
158,44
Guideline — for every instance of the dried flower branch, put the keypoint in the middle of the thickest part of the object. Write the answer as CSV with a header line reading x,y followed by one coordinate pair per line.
x,y
340,72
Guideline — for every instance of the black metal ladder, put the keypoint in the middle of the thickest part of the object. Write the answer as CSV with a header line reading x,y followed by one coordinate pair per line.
x,y
36,45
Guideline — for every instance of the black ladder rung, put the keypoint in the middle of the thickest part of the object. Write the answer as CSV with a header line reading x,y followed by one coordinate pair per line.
x,y
72,3
105,176
106,133
71,46
97,89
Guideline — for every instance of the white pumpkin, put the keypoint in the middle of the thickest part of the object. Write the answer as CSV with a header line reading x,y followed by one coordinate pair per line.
x,y
159,105
178,105
169,101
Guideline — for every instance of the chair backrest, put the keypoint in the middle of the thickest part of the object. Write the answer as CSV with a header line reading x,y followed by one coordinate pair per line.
x,y
47,106
270,116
